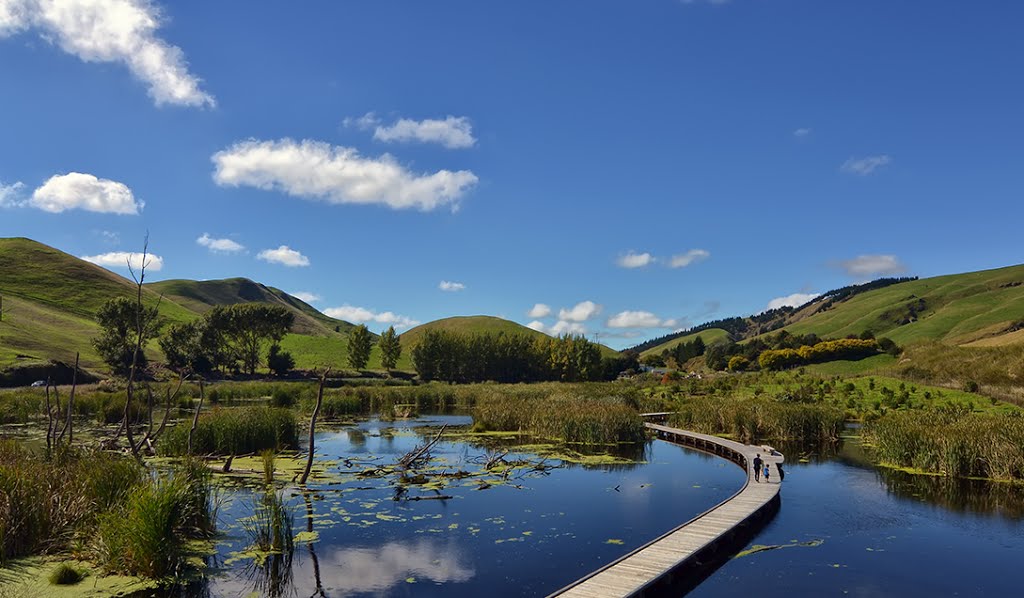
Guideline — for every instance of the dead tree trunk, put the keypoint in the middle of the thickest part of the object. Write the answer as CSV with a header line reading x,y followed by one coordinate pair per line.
x,y
69,426
195,418
312,426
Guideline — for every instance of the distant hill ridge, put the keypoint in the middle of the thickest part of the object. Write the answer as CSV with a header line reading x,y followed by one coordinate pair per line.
x,y
739,328
983,308
200,296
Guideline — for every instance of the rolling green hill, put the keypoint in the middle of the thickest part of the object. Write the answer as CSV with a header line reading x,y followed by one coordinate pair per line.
x,y
709,336
50,304
50,301
201,296
476,325
954,309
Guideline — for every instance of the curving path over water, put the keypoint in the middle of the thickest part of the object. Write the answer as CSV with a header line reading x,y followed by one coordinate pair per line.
x,y
688,550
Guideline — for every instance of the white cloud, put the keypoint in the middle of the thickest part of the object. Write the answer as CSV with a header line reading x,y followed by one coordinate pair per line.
x,y
454,132
864,266
76,190
639,319
539,310
802,132
336,174
794,300
220,245
559,328
306,296
635,260
9,193
283,255
121,259
690,257
581,312
865,166
451,287
364,122
122,31
361,315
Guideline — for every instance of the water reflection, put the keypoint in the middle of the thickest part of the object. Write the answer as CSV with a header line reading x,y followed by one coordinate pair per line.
x,y
376,569
959,495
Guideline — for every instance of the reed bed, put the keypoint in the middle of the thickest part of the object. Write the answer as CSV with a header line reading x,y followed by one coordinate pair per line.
x,y
951,443
759,420
576,417
234,431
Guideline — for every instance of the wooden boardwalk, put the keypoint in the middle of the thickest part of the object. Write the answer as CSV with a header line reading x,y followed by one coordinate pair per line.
x,y
681,551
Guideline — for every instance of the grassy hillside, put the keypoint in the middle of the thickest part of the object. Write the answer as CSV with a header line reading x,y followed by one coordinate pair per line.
x,y
467,325
50,304
47,276
51,299
201,296
709,336
954,309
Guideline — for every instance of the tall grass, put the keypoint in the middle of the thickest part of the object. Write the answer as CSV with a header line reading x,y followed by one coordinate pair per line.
x,y
566,413
45,504
235,431
146,535
757,420
950,443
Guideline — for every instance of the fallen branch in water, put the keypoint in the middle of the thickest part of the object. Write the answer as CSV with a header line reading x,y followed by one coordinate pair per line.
x,y
422,453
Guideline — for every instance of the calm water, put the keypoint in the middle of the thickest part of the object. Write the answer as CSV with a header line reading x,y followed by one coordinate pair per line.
x,y
874,533
528,541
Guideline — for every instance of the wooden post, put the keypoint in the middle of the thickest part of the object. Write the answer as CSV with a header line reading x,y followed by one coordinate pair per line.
x,y
312,426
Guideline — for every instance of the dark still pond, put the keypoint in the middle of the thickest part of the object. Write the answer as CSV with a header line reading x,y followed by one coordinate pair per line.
x,y
527,532
845,529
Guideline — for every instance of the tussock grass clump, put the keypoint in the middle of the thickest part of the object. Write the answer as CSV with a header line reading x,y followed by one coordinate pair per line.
x,y
567,414
146,535
45,504
755,420
65,575
235,431
951,443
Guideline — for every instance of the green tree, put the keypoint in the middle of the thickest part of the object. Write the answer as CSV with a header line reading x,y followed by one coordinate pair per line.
x,y
189,347
390,348
247,326
360,342
121,318
280,362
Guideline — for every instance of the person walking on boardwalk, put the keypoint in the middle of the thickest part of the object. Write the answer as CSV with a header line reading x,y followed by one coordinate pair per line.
x,y
757,467
767,472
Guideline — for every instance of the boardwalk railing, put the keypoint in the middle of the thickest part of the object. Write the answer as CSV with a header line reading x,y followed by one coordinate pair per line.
x,y
685,555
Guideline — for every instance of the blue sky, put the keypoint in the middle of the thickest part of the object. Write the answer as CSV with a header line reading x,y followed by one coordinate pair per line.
x,y
527,152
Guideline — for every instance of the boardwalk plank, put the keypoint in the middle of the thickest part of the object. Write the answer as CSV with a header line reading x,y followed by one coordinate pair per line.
x,y
626,576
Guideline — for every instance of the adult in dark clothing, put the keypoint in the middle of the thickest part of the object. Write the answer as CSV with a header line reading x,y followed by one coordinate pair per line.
x,y
757,467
